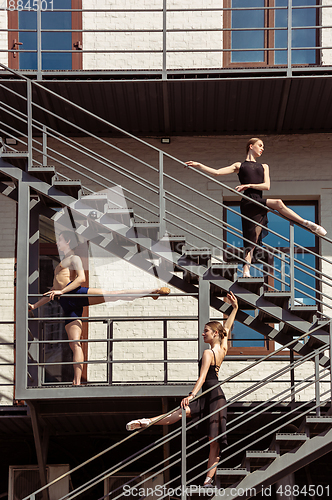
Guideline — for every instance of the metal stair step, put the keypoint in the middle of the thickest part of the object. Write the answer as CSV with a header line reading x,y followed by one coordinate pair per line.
x,y
196,256
45,174
257,458
252,284
147,229
304,311
278,298
71,187
317,425
16,158
221,270
228,477
289,441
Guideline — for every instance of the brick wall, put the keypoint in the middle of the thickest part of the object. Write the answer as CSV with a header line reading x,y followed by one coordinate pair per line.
x,y
7,260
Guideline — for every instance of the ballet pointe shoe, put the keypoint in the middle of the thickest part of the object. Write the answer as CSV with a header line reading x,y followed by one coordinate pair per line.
x,y
162,291
315,228
208,482
140,423
246,275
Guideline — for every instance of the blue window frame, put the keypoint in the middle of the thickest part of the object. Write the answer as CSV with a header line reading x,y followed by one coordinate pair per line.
x,y
252,24
243,336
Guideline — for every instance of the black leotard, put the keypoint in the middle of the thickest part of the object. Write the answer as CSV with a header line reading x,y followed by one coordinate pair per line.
x,y
252,172
212,401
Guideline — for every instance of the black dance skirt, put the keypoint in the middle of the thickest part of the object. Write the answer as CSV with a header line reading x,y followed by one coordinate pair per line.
x,y
250,230
205,405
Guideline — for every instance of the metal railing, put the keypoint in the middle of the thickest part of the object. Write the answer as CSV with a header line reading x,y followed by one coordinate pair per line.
x,y
159,40
153,195
188,476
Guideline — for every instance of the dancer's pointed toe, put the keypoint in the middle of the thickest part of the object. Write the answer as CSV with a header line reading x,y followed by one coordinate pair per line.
x,y
164,290
140,423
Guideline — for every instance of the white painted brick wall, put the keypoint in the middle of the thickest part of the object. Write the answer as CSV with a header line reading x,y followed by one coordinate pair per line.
x,y
3,37
326,34
7,260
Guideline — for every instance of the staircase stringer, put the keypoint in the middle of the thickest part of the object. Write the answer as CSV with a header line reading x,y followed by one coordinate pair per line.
x,y
288,463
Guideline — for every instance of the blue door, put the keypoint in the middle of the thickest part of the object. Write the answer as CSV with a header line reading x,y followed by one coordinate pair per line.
x,y
50,40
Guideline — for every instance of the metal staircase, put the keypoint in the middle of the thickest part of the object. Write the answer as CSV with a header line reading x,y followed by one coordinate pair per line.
x,y
146,235
115,230
152,244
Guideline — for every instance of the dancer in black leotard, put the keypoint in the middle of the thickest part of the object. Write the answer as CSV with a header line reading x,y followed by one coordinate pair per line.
x,y
217,336
255,178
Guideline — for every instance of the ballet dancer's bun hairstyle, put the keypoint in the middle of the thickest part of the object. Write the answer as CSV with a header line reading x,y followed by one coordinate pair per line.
x,y
70,237
252,141
216,326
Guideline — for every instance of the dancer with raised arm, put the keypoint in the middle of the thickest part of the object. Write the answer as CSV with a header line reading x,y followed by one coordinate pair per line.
x,y
217,336
255,178
69,275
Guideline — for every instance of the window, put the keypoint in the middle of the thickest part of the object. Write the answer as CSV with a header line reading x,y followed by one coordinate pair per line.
x,y
57,39
306,283
245,30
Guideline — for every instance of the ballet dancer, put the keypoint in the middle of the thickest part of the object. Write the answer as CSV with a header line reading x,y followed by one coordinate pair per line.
x,y
217,336
255,178
69,275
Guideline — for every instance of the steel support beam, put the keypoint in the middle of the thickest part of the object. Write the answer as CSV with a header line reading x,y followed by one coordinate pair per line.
x,y
23,212
41,448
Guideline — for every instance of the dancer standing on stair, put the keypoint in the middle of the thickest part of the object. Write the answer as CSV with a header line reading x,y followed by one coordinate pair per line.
x,y
217,336
69,275
255,178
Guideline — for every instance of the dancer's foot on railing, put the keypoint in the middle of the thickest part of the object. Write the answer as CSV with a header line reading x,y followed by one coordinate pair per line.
x,y
315,228
164,290
140,423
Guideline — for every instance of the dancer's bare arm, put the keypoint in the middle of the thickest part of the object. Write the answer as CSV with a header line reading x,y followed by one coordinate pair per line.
x,y
207,359
231,169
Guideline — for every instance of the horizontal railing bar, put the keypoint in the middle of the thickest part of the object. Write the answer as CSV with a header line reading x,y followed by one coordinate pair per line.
x,y
101,159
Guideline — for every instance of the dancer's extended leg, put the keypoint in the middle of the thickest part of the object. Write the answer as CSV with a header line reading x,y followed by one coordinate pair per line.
x,y
290,214
74,332
144,422
112,296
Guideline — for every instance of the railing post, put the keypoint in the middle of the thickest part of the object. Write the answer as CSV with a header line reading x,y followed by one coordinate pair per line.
x,y
183,455
291,263
110,351
164,63
289,38
29,115
162,207
292,378
165,351
44,145
317,394
39,41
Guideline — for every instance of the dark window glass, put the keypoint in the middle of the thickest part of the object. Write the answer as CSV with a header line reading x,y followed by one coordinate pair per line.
x,y
50,40
248,39
305,281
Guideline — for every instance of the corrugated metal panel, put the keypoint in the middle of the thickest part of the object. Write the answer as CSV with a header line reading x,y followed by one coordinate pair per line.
x,y
185,106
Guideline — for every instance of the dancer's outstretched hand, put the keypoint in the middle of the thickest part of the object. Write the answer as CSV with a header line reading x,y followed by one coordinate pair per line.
x,y
231,299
